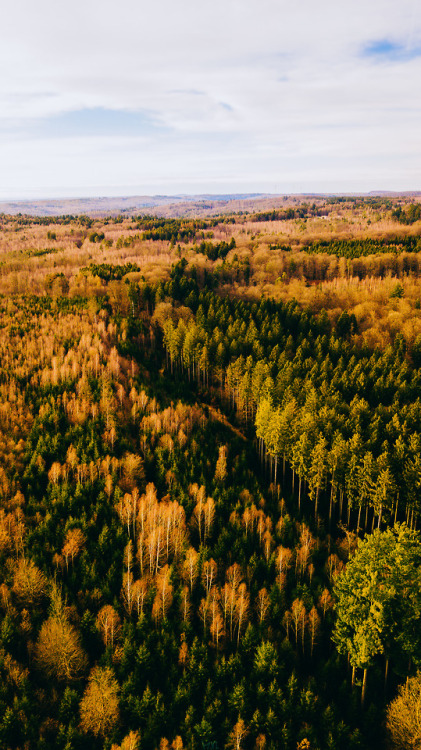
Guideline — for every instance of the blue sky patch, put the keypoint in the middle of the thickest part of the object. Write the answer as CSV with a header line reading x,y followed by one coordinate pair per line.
x,y
385,49
96,122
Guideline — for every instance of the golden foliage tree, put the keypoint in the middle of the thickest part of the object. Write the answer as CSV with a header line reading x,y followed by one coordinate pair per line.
x,y
164,594
58,650
314,625
209,572
221,464
185,607
190,567
238,735
73,543
130,742
99,712
29,583
403,720
108,624
262,605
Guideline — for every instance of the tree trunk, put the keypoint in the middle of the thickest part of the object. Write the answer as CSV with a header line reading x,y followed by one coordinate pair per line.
x,y
330,507
364,688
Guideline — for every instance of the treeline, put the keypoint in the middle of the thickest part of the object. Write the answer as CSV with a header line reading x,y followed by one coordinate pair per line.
x,y
46,221
285,264
301,212
367,246
96,237
375,202
408,216
213,251
44,251
172,230
109,271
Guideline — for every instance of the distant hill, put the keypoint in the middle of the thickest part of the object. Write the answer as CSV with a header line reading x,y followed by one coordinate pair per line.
x,y
178,205
174,205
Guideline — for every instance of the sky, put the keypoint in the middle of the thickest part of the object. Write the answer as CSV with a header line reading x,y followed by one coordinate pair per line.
x,y
101,98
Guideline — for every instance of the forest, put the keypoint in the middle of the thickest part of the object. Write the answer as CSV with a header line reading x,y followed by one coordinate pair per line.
x,y
210,475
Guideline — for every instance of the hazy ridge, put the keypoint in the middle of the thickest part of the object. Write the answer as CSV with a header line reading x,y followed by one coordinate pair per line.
x,y
170,205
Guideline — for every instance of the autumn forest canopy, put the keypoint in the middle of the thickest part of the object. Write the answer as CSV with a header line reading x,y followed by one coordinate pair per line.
x,y
210,476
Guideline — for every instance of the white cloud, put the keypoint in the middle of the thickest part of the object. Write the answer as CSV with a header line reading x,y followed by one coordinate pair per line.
x,y
257,96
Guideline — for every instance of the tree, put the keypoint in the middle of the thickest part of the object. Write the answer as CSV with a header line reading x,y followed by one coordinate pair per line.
x,y
209,571
164,594
238,734
266,660
29,583
378,600
337,459
242,606
58,650
403,720
283,563
366,473
109,625
190,567
318,470
221,464
298,614
301,460
140,590
130,742
313,623
133,472
385,487
217,629
325,602
262,605
73,543
99,711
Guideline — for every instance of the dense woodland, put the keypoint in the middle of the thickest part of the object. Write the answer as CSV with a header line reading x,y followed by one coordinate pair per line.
x,y
210,478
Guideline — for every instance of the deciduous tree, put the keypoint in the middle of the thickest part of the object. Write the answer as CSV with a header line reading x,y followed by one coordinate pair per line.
x,y
58,650
99,710
403,720
378,599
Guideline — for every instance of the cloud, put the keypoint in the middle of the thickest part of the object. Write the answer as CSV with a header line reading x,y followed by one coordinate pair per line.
x,y
243,93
